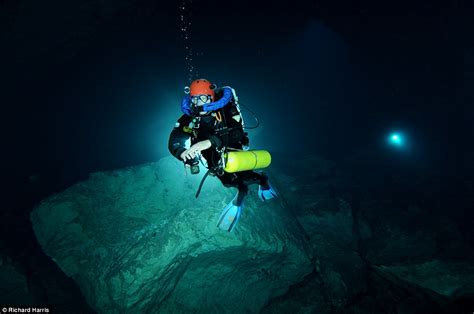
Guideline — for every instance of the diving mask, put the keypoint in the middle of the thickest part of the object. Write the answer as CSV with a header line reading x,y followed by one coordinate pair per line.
x,y
198,101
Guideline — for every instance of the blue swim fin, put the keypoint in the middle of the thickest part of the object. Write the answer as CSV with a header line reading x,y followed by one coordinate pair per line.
x,y
230,216
266,194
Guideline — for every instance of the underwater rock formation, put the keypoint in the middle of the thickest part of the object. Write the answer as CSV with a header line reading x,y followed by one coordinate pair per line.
x,y
374,254
449,279
340,272
137,240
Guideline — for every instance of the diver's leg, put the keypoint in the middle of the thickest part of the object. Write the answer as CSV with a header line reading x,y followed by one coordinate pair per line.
x,y
265,190
242,192
229,180
263,178
237,181
252,177
231,213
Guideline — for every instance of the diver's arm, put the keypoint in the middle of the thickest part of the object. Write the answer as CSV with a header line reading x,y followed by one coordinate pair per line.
x,y
196,149
178,138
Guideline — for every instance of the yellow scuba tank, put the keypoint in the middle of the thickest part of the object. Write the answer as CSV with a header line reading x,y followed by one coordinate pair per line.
x,y
246,160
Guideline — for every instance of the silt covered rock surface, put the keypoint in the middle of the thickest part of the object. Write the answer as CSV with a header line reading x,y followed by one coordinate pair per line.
x,y
137,240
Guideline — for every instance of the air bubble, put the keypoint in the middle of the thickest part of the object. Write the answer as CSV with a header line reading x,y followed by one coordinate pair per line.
x,y
185,17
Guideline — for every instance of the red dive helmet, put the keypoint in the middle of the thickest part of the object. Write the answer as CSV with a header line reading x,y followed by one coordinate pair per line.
x,y
201,87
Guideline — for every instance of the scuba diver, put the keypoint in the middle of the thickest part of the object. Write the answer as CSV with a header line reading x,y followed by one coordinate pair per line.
x,y
214,123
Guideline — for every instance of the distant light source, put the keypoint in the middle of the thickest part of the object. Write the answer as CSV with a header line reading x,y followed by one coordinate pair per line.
x,y
396,139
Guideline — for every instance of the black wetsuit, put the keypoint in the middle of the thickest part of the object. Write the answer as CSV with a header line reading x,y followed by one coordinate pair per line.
x,y
225,133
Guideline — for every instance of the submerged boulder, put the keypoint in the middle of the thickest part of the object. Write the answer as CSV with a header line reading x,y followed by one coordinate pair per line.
x,y
137,239
449,279
334,233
